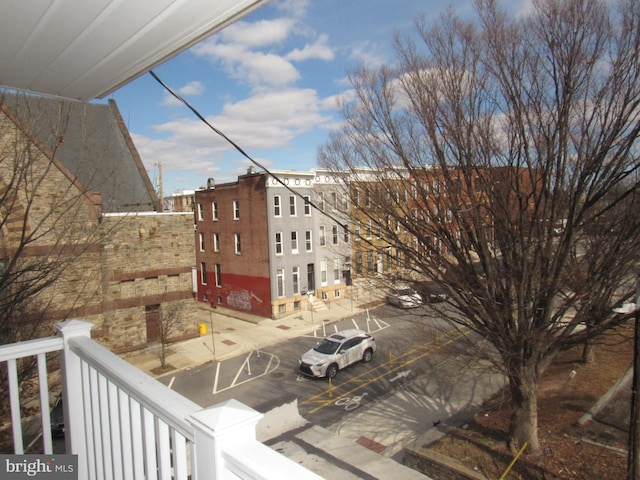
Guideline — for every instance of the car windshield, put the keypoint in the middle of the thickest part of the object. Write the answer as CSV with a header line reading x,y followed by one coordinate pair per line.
x,y
328,347
406,291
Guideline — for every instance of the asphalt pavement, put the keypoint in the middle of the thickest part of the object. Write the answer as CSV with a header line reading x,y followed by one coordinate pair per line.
x,y
346,450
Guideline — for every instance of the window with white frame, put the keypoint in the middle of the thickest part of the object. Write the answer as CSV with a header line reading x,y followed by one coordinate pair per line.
x,y
336,270
214,211
334,234
321,201
236,241
368,228
345,234
203,273
201,236
236,210
280,281
322,240
345,202
294,241
292,206
295,279
334,201
323,271
307,205
308,239
216,242
278,243
200,212
218,275
356,230
277,206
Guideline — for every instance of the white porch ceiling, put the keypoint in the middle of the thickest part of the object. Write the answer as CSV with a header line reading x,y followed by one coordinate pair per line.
x,y
85,49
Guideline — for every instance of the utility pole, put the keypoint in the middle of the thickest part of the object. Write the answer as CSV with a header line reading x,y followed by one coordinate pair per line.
x,y
160,188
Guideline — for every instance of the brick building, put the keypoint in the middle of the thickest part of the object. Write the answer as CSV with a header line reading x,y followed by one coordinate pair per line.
x,y
263,244
88,204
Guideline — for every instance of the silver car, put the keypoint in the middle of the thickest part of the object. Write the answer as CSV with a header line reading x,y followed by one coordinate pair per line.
x,y
336,352
404,296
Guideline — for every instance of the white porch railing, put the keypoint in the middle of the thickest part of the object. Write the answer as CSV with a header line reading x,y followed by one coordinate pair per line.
x,y
123,424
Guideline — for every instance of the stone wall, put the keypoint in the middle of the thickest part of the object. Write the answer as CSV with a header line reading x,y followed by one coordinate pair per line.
x,y
146,262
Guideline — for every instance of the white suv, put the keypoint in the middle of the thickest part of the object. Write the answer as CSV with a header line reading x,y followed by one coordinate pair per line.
x,y
336,352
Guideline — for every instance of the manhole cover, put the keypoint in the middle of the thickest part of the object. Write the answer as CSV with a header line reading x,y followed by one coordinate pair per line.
x,y
277,375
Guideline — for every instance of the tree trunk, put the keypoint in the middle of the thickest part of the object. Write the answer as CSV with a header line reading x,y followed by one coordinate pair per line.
x,y
588,353
524,415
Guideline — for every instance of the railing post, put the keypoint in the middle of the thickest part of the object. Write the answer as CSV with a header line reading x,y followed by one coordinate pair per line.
x,y
222,426
71,370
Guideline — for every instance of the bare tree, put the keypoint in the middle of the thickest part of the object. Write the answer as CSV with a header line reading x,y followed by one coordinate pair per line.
x,y
168,323
49,229
501,155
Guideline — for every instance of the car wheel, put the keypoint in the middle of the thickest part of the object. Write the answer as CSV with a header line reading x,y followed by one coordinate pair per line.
x,y
332,370
366,356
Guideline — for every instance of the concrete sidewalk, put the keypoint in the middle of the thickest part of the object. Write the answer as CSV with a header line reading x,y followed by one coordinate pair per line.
x,y
229,334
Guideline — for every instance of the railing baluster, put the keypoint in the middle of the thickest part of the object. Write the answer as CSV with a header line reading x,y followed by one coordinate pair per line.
x,y
163,450
44,404
124,422
180,467
87,412
14,399
137,438
151,463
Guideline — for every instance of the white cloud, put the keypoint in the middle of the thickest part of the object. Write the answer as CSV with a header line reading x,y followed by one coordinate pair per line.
x,y
267,121
258,34
250,66
319,50
190,89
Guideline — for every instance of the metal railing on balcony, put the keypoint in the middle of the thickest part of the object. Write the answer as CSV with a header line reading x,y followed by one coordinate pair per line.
x,y
123,424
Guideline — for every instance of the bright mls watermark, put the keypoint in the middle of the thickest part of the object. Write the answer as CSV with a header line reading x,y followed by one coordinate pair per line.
x,y
49,467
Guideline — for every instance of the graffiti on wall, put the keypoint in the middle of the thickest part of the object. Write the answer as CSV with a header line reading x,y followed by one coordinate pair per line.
x,y
241,299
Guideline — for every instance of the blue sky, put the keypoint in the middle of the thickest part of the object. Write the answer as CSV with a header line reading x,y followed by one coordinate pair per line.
x,y
270,82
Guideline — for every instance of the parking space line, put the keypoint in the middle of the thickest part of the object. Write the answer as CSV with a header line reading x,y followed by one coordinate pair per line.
x,y
272,365
450,337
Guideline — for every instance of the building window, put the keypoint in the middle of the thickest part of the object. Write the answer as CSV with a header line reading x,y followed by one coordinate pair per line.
x,y
237,243
321,201
214,210
308,238
294,242
307,205
201,236
295,278
203,273
323,271
345,202
282,308
345,234
216,242
356,197
200,212
358,263
334,201
322,240
292,206
356,230
334,234
236,210
218,277
280,281
370,261
278,243
336,270
369,228
277,207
